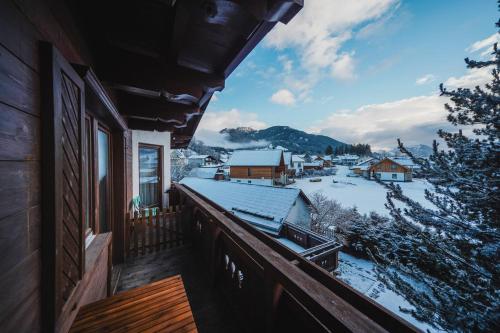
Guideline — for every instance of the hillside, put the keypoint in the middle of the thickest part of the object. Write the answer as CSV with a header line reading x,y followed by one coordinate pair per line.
x,y
290,138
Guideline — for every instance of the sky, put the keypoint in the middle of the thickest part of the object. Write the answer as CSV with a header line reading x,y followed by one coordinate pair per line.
x,y
359,71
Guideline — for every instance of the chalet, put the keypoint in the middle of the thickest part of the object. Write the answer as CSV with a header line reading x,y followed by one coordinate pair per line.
x,y
262,167
207,173
298,164
290,170
390,170
327,161
348,159
202,160
93,96
362,168
316,165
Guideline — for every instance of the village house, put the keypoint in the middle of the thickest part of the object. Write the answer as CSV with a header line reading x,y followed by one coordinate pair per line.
x,y
290,170
93,97
362,167
202,160
262,167
390,170
327,161
315,165
298,164
347,159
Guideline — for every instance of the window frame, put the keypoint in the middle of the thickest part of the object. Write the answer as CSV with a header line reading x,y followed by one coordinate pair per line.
x,y
160,169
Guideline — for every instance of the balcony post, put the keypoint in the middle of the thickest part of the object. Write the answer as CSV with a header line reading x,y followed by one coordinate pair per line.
x,y
273,292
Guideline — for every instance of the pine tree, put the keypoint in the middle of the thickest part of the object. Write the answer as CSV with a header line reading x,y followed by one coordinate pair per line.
x,y
452,252
329,150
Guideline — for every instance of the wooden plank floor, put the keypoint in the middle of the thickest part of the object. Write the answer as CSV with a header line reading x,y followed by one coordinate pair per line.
x,y
161,306
210,309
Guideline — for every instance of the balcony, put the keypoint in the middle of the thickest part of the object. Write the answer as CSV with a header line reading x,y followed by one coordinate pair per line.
x,y
240,279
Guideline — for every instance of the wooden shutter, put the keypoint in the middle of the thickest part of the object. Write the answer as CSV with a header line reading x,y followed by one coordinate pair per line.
x,y
62,185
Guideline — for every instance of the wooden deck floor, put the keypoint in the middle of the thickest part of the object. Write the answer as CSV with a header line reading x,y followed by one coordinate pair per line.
x,y
161,306
211,312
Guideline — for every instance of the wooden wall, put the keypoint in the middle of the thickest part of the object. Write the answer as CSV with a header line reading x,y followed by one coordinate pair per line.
x,y
23,23
257,172
385,166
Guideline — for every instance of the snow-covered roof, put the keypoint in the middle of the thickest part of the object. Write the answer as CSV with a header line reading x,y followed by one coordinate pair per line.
x,y
265,207
317,163
327,158
348,157
281,148
297,158
287,156
403,161
207,173
195,157
255,158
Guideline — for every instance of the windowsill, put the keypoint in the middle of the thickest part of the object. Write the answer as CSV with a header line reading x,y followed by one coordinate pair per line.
x,y
95,248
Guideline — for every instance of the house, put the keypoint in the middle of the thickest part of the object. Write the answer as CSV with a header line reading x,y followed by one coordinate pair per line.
x,y
298,164
262,167
93,97
316,165
202,160
390,170
207,173
361,168
327,161
347,159
290,170
265,207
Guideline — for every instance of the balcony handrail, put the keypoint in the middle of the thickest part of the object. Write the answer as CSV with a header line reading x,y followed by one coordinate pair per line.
x,y
334,304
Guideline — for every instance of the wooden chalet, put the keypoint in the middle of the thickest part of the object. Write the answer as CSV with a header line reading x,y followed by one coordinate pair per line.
x,y
390,170
260,167
77,78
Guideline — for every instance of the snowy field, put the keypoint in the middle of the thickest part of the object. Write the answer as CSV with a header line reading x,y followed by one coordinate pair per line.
x,y
365,195
360,275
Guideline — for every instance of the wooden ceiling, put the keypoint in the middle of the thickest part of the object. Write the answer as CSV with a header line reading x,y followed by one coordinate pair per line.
x,y
164,59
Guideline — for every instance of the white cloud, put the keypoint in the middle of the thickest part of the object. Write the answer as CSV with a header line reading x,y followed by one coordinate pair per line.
x,y
321,28
213,122
283,97
214,98
415,120
474,77
484,45
427,78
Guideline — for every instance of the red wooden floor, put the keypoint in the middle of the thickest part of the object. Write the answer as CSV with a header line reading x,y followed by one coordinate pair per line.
x,y
161,306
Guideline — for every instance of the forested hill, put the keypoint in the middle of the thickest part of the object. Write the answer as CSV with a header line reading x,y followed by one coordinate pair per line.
x,y
294,140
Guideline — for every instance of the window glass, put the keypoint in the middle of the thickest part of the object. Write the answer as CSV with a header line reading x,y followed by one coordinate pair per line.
x,y
87,172
149,175
103,172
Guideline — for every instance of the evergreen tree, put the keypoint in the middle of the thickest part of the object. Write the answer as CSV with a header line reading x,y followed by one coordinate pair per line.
x,y
329,150
452,251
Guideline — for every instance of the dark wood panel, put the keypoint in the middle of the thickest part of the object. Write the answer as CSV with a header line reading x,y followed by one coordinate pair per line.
x,y
19,186
19,135
18,83
14,239
18,284
18,34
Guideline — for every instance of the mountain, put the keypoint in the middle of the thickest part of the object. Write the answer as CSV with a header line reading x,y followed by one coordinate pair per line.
x,y
290,138
423,151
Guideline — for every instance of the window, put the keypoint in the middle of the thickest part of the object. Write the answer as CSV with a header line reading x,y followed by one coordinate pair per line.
x,y
394,176
249,172
88,178
150,181
103,149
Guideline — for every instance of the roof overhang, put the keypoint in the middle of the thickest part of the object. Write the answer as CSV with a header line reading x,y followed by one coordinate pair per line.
x,y
162,60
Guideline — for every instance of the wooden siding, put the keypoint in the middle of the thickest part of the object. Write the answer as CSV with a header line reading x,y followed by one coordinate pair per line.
x,y
22,25
386,166
257,172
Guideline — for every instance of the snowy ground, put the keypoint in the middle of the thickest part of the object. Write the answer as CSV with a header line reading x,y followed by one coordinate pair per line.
x,y
366,195
359,274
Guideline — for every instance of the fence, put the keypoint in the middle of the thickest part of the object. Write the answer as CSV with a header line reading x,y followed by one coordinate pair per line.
x,y
155,231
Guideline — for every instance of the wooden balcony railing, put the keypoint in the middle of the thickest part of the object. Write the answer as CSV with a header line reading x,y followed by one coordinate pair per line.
x,y
270,287
153,232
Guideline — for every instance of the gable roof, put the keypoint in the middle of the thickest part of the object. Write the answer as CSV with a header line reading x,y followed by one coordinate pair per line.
x,y
297,158
207,173
264,207
255,158
390,160
287,156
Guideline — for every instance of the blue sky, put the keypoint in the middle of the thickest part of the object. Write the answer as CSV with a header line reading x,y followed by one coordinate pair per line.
x,y
359,71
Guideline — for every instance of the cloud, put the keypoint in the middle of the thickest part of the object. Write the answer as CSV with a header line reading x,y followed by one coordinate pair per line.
x,y
427,78
321,28
484,45
415,120
213,122
283,97
474,77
